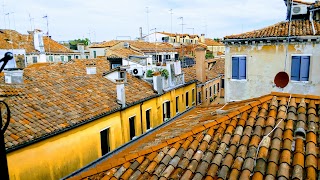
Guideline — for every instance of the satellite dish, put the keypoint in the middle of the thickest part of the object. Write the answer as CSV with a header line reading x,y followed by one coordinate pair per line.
x,y
281,80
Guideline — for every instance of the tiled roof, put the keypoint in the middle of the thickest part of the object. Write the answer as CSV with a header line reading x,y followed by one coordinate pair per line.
x,y
151,47
105,44
57,96
273,137
211,73
175,34
12,39
211,42
123,52
298,28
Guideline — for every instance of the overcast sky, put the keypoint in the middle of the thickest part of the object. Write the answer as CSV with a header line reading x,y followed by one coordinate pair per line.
x,y
102,20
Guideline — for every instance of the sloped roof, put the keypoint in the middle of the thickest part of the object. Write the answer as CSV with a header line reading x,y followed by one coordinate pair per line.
x,y
211,42
12,39
123,52
272,137
151,47
177,34
298,28
55,97
105,44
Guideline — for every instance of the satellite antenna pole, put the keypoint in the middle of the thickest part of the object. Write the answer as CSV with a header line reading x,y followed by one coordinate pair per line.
x,y
148,21
171,19
46,17
181,34
30,19
4,16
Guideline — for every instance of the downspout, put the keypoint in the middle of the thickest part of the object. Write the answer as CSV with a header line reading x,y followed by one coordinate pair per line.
x,y
141,117
311,20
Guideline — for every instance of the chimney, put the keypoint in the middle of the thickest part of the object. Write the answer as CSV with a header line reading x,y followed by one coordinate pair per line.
x,y
80,47
200,54
121,95
157,82
13,76
202,39
91,68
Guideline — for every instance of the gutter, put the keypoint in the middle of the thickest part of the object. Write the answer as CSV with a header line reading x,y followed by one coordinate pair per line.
x,y
54,133
271,38
122,147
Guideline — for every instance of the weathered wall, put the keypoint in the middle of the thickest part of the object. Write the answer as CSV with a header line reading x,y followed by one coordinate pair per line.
x,y
263,63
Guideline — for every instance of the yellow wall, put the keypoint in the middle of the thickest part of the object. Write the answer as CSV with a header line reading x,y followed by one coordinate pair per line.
x,y
62,154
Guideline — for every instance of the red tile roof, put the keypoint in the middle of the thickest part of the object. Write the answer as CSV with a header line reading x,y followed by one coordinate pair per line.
x,y
151,47
58,96
123,52
298,28
12,39
105,44
211,42
272,137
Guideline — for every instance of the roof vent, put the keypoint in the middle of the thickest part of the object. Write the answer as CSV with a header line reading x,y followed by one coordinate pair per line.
x,y
13,75
126,45
300,132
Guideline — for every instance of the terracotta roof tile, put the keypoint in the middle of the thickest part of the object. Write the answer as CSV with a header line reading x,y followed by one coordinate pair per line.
x,y
58,96
298,28
217,153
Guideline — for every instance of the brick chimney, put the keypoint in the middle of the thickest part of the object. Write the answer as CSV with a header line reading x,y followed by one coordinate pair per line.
x,y
202,38
121,94
200,54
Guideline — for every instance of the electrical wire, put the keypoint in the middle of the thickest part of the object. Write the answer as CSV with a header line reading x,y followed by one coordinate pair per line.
x,y
288,39
271,131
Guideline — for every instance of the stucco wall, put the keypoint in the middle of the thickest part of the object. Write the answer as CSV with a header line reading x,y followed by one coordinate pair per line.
x,y
264,61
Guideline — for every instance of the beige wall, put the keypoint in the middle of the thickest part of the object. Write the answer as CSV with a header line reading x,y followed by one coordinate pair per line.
x,y
263,63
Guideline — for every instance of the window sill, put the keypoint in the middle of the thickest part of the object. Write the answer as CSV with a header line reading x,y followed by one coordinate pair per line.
x,y
301,82
241,80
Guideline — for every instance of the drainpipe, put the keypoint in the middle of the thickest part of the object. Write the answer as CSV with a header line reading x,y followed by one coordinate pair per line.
x,y
311,20
141,118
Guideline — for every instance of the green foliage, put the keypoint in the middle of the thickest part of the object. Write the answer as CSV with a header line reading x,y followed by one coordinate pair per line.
x,y
149,73
209,56
73,43
164,73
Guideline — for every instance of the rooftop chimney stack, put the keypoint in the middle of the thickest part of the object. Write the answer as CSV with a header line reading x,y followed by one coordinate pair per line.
x,y
121,95
202,38
157,82
200,54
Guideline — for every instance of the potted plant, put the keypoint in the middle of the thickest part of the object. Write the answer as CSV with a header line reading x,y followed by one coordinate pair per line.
x,y
149,73
164,73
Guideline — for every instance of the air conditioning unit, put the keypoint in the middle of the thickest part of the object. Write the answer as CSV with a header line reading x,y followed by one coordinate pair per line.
x,y
126,45
299,9
137,71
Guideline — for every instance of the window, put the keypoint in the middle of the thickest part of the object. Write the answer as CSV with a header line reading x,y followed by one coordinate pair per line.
x,y
132,127
187,99
105,142
51,58
166,110
148,119
214,89
300,68
192,96
222,83
94,54
77,57
34,59
87,57
69,58
177,104
239,67
210,91
199,97
62,58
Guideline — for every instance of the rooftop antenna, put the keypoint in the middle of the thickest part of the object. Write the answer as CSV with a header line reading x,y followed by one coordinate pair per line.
x,y
148,20
171,19
46,17
4,16
31,19
181,34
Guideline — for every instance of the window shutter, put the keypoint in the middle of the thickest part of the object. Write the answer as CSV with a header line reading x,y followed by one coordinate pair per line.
x,y
295,68
304,70
235,68
242,68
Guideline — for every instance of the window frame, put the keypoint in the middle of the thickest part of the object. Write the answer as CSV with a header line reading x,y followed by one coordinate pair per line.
x,y
309,68
187,99
149,119
177,104
108,140
134,124
239,70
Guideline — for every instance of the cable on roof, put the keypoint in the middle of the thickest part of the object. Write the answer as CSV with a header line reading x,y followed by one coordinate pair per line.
x,y
255,159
